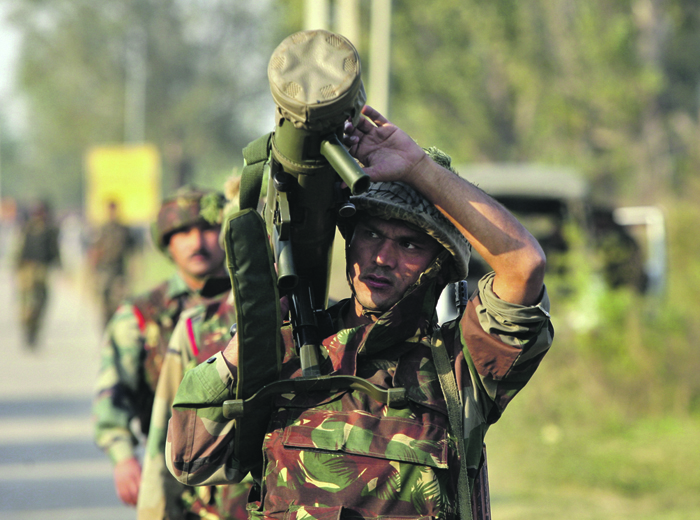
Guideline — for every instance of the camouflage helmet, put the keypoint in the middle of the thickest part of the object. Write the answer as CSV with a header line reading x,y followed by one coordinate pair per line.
x,y
188,206
397,200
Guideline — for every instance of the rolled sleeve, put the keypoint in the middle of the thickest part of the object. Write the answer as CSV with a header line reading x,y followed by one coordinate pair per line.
x,y
527,327
208,384
503,343
502,317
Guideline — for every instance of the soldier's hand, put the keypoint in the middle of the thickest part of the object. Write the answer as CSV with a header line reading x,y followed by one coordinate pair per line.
x,y
230,354
127,479
387,152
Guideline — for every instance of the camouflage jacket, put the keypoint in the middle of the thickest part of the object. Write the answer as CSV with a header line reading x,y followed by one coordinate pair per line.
x,y
133,348
202,331
114,241
348,456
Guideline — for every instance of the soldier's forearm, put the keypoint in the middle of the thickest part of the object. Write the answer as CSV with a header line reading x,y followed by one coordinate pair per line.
x,y
493,231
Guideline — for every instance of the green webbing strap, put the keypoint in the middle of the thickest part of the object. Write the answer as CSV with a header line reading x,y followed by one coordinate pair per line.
x,y
454,412
255,156
392,397
258,316
254,283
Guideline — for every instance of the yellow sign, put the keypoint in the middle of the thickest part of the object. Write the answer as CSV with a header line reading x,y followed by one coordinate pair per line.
x,y
130,176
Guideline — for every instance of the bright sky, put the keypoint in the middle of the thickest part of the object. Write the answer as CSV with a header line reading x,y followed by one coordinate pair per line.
x,y
9,47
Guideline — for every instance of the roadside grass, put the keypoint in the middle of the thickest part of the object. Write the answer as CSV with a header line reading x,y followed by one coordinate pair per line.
x,y
647,470
580,444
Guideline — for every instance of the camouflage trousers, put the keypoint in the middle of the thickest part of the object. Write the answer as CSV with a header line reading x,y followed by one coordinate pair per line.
x,y
33,293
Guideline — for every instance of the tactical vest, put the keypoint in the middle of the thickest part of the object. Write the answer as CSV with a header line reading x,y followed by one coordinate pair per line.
x,y
353,454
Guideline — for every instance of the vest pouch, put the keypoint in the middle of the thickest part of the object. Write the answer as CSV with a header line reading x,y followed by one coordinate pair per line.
x,y
254,283
329,513
392,438
372,466
302,513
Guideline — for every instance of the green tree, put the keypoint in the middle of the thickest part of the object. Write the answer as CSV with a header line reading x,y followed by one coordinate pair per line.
x,y
540,81
204,83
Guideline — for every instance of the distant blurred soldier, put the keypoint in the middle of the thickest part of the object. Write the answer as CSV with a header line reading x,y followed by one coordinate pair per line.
x,y
38,250
108,257
136,337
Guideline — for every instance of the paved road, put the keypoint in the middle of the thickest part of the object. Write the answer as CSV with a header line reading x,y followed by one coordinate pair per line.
x,y
49,467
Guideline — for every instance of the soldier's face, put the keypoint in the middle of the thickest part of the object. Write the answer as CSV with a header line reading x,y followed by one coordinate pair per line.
x,y
196,252
384,258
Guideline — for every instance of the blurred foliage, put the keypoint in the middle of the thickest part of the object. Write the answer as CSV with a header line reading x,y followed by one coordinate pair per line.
x,y
607,87
631,355
607,428
610,88
205,64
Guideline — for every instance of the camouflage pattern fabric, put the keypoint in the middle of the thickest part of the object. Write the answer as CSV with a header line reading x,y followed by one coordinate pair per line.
x,y
348,456
133,347
134,344
202,331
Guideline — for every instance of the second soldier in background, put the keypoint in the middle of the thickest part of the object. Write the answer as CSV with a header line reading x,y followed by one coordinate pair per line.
x,y
137,336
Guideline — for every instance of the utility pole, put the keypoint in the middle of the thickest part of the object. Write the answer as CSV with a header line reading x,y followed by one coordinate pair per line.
x,y
135,86
380,56
346,20
1,212
316,14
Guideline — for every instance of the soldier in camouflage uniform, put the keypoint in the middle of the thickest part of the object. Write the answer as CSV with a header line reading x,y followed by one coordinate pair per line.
x,y
38,251
346,455
201,332
136,337
108,254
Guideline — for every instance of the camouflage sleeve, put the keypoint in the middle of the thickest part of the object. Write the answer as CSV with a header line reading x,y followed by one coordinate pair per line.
x,y
498,347
199,448
117,383
159,491
503,344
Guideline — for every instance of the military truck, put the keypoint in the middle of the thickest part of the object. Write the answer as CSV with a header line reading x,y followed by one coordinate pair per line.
x,y
551,201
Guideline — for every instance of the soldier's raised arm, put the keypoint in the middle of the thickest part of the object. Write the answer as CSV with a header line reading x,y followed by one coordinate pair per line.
x,y
389,154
